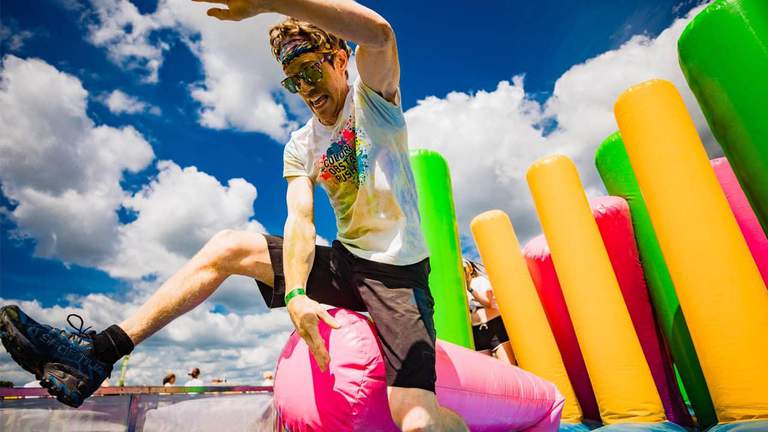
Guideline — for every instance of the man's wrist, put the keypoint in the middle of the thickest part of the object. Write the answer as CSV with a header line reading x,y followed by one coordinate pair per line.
x,y
298,291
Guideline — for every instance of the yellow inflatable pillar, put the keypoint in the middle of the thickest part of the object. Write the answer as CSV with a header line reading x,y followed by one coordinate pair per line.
x,y
524,319
721,293
621,378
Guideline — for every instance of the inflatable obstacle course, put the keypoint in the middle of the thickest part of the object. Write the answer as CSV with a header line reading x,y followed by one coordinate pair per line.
x,y
679,227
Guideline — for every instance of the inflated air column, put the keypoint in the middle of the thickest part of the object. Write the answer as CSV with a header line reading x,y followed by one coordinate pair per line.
x,y
620,376
438,223
529,332
724,56
722,295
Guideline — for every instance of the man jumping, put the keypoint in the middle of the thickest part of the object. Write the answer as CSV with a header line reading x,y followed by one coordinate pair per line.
x,y
355,147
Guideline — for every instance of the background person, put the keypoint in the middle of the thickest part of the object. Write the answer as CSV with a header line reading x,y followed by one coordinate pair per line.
x,y
487,327
169,380
195,381
268,378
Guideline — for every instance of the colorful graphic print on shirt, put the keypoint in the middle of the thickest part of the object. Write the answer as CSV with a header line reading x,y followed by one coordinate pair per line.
x,y
346,159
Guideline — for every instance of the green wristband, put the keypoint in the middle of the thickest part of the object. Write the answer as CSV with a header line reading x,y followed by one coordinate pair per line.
x,y
293,293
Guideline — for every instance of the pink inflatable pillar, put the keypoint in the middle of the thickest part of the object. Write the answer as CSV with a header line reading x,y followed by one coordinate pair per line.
x,y
745,216
615,224
544,277
352,395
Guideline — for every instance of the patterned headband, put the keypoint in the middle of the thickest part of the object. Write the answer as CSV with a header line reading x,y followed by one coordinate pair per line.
x,y
294,48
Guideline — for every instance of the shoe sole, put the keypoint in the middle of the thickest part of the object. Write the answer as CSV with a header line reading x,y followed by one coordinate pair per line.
x,y
65,383
16,343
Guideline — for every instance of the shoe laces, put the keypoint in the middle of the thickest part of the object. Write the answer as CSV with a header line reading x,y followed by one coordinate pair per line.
x,y
82,332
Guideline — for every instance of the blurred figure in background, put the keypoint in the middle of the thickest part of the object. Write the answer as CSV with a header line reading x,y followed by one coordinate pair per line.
x,y
169,380
268,378
487,327
195,381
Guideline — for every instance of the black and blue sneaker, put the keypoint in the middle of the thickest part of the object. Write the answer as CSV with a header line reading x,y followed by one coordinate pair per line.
x,y
64,362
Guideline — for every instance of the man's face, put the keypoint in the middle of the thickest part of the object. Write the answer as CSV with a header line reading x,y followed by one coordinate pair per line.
x,y
326,96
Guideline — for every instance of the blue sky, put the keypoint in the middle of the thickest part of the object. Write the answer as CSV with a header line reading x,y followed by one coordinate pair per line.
x,y
543,62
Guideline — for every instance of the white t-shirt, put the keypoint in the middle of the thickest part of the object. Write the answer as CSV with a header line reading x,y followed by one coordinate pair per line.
x,y
479,284
194,382
362,163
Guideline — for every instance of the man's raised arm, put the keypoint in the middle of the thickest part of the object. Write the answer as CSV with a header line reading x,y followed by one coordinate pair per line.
x,y
377,60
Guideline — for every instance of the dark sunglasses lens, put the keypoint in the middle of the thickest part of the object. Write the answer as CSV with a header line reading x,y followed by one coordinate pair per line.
x,y
312,74
291,84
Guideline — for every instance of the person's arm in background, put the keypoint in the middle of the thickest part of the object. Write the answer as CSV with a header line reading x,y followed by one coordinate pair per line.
x,y
482,292
376,53
298,255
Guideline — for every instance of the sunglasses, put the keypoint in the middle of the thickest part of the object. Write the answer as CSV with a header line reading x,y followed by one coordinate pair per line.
x,y
309,74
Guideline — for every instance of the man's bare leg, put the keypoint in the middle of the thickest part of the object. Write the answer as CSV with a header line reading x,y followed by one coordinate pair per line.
x,y
227,253
73,365
415,409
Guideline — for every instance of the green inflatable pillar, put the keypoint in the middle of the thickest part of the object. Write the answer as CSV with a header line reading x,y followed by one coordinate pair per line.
x,y
613,165
438,223
724,56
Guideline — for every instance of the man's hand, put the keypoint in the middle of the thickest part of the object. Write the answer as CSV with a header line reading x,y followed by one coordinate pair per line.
x,y
238,9
306,314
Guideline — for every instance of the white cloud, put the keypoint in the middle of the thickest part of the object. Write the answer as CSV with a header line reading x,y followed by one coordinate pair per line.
x,y
242,79
63,173
241,88
236,346
61,169
118,26
177,213
490,138
119,102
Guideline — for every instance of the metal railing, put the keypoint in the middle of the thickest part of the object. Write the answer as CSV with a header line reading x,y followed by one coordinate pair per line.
x,y
142,408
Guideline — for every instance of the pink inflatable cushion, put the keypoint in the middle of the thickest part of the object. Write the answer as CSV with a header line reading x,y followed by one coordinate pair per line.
x,y
544,277
745,216
351,395
615,225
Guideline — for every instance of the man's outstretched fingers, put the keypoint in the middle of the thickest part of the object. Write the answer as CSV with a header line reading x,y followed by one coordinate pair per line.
x,y
328,319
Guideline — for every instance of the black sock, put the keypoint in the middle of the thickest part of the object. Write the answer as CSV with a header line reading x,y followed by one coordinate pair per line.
x,y
111,344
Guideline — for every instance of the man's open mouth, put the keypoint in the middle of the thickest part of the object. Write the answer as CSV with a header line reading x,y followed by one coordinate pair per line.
x,y
318,101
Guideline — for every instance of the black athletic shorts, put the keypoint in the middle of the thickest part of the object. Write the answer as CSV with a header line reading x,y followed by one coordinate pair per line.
x,y
396,297
490,335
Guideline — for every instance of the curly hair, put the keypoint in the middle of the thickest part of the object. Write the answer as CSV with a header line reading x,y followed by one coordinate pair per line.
x,y
291,28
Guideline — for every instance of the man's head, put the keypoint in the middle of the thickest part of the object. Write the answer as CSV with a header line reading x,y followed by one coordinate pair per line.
x,y
194,373
315,65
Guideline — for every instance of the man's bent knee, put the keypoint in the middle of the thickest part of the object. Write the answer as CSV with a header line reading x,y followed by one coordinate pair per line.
x,y
412,409
236,252
415,409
